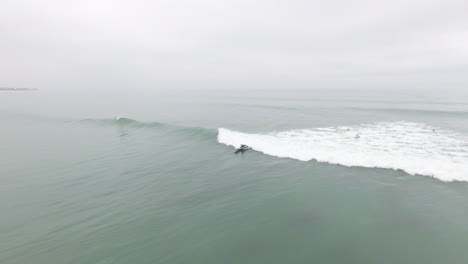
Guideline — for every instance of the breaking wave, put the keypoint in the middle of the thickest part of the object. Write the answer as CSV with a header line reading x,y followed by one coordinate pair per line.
x,y
412,147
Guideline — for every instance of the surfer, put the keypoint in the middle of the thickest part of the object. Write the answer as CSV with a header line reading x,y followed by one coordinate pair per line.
x,y
242,148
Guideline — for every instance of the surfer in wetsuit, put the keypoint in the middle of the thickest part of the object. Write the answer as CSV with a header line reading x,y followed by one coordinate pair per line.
x,y
241,149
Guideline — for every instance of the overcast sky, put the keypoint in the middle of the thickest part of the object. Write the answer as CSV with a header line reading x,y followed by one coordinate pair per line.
x,y
164,44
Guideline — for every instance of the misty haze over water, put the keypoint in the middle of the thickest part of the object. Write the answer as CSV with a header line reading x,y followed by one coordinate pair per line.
x,y
354,115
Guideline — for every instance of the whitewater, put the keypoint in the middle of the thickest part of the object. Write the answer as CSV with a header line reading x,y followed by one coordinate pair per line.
x,y
416,148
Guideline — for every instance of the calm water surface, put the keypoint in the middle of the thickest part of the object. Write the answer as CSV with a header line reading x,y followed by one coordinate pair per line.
x,y
150,178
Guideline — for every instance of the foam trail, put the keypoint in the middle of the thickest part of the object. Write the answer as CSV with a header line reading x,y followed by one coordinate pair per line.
x,y
412,147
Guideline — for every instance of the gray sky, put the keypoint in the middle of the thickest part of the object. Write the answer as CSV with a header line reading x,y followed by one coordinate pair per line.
x,y
112,44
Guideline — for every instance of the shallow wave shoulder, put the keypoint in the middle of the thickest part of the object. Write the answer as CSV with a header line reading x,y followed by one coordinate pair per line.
x,y
123,121
136,124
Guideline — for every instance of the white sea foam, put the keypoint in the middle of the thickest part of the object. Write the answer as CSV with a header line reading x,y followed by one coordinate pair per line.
x,y
412,147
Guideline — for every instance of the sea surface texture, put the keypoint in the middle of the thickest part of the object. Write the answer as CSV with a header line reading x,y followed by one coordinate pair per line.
x,y
349,177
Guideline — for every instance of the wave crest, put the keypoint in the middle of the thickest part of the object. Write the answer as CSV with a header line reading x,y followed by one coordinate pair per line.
x,y
136,124
123,121
412,147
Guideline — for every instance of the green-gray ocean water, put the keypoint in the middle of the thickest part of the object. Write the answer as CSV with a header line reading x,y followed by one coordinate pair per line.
x,y
148,178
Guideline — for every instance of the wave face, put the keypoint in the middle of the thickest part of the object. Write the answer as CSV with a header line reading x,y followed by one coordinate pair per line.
x,y
412,147
136,124
121,121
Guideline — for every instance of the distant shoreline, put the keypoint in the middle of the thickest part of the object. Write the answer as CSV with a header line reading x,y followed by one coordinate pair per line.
x,y
18,89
